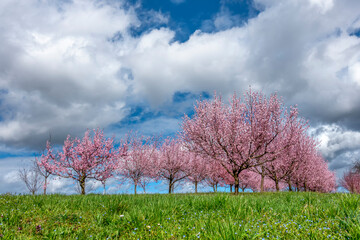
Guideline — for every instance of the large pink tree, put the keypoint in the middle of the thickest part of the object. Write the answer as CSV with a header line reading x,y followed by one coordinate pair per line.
x,y
243,134
139,164
92,157
173,163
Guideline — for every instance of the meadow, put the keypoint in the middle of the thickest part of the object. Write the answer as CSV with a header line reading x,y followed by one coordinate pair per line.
x,y
286,215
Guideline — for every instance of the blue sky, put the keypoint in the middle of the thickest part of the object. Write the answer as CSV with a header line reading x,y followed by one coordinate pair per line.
x,y
122,65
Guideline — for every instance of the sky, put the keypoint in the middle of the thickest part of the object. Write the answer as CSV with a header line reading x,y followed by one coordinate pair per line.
x,y
120,65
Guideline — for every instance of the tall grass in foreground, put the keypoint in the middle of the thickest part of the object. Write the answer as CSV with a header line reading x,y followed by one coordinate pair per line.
x,y
181,216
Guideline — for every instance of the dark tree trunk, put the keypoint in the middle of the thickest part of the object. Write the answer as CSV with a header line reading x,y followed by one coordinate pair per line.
x,y
196,183
290,188
236,180
231,186
82,186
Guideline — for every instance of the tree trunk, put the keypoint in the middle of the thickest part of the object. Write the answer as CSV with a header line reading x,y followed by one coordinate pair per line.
x,y
277,185
196,183
82,185
237,184
262,183
170,187
45,185
214,187
104,185
290,188
135,186
231,187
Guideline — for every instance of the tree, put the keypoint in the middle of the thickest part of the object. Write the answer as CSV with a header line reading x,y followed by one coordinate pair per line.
x,y
313,174
284,166
45,165
216,175
172,163
198,169
139,163
31,178
244,134
247,179
88,158
351,181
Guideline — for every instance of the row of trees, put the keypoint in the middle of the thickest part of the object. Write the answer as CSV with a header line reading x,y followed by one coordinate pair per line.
x,y
252,142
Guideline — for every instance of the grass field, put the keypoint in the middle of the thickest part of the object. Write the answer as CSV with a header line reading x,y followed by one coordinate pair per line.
x,y
181,216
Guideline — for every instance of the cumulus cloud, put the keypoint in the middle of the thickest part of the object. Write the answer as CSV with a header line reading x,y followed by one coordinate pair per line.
x,y
62,71
335,140
301,49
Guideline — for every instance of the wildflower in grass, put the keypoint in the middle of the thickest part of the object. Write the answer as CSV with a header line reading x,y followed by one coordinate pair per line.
x,y
123,216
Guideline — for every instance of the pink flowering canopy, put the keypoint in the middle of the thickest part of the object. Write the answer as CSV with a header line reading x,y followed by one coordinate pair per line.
x,y
87,158
246,133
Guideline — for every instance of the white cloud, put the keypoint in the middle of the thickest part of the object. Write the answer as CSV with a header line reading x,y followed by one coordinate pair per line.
x,y
64,76
334,139
11,177
177,1
323,5
307,57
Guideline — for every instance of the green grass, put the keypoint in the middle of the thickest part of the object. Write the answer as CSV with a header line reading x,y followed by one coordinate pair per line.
x,y
181,216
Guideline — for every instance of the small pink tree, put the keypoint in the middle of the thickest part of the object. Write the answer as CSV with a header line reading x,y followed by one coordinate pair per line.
x,y
138,165
313,174
282,168
197,168
245,134
45,164
89,158
351,181
216,175
173,164
248,179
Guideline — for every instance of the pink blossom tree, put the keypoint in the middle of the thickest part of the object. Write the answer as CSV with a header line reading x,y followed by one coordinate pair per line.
x,y
138,165
197,169
45,164
173,164
247,179
88,158
216,175
239,135
282,168
351,181
313,174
